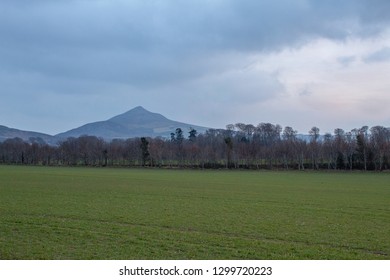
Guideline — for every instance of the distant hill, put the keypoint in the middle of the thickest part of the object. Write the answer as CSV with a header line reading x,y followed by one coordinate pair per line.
x,y
28,136
138,122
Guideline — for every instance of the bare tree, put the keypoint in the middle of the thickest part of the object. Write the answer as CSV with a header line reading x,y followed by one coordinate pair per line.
x,y
289,146
379,145
362,145
314,146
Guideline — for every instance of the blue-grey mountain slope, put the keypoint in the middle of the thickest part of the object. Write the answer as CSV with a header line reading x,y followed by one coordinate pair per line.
x,y
28,136
137,122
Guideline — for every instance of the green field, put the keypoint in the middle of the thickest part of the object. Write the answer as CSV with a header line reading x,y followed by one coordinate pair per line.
x,y
87,213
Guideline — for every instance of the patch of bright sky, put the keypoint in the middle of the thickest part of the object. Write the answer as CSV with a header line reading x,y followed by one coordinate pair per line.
x,y
329,82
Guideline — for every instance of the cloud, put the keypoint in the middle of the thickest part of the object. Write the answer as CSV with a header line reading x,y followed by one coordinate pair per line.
x,y
381,55
346,60
151,42
305,92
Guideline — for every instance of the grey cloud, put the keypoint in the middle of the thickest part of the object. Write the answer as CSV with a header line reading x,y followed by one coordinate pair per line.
x,y
305,92
374,11
242,87
149,43
346,60
378,56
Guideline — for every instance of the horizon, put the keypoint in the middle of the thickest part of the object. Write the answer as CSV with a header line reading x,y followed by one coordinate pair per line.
x,y
300,64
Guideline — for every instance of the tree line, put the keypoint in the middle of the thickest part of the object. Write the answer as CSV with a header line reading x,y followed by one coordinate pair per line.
x,y
265,146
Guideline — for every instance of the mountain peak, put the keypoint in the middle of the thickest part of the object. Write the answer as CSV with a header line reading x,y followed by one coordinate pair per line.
x,y
137,115
138,109
135,110
136,122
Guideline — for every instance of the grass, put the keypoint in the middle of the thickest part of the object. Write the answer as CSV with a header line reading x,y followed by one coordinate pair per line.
x,y
86,213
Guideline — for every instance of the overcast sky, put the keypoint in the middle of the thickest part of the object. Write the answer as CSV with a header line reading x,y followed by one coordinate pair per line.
x,y
296,63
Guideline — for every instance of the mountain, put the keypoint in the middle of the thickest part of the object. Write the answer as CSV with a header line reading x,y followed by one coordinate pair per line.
x,y
134,123
28,136
137,122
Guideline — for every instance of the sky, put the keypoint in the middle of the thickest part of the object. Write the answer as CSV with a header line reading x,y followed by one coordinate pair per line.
x,y
298,63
